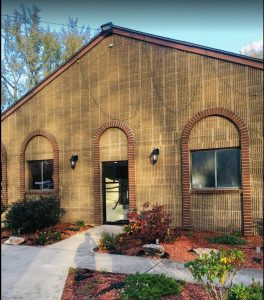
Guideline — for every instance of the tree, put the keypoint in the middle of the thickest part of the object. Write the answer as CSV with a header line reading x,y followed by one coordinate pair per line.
x,y
254,49
31,52
73,38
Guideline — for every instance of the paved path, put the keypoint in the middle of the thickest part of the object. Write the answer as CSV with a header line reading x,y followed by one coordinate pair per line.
x,y
39,273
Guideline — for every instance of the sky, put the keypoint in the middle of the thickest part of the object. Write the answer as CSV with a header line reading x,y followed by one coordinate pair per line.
x,y
224,24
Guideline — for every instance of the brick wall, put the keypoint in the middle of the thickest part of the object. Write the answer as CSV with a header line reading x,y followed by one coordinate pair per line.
x,y
154,91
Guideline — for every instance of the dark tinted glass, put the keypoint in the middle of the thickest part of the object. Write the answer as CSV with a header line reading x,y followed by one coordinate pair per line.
x,y
203,169
228,168
47,174
40,174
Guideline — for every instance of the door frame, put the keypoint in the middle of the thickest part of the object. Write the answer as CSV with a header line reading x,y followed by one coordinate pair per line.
x,y
112,162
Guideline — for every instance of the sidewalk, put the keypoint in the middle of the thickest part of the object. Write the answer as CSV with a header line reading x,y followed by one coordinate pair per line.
x,y
40,272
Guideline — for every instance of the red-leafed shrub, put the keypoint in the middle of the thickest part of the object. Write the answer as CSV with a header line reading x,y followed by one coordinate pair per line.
x,y
149,224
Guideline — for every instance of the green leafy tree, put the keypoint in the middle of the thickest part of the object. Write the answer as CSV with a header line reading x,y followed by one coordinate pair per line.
x,y
73,38
31,52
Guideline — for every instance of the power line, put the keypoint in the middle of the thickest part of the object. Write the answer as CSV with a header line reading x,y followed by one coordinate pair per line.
x,y
46,22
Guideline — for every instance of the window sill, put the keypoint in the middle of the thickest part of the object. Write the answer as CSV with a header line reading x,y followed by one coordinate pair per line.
x,y
216,191
33,192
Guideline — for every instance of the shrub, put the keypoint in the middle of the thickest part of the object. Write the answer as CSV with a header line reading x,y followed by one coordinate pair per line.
x,y
79,224
109,241
30,215
45,236
150,224
242,292
73,228
150,286
228,240
216,269
2,207
76,226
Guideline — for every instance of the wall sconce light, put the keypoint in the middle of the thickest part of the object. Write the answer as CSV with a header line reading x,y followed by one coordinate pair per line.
x,y
154,155
73,160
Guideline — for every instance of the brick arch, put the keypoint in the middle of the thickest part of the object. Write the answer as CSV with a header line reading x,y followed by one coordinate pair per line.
x,y
245,165
131,166
22,161
4,192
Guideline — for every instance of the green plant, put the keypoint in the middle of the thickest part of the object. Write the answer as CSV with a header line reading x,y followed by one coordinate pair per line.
x,y
73,228
242,292
2,207
150,286
216,271
150,223
109,241
76,226
33,214
237,233
45,236
72,270
80,223
228,240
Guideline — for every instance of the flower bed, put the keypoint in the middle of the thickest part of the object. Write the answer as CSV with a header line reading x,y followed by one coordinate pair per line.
x,y
98,282
48,236
181,248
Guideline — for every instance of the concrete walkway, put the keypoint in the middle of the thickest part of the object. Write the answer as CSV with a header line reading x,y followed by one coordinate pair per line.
x,y
32,273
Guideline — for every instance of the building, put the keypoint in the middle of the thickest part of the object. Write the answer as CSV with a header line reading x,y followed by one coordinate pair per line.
x,y
123,96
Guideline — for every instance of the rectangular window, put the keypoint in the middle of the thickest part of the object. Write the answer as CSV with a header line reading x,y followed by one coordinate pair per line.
x,y
40,174
219,168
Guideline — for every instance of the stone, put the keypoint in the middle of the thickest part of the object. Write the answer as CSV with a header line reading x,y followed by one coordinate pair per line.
x,y
15,240
200,251
153,249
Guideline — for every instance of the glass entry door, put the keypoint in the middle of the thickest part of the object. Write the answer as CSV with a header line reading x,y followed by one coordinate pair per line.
x,y
115,192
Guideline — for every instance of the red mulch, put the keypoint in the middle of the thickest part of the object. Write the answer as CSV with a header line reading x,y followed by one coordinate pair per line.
x,y
90,287
180,249
29,238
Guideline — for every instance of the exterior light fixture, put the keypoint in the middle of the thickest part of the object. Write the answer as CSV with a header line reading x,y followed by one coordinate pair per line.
x,y
154,155
73,160
107,28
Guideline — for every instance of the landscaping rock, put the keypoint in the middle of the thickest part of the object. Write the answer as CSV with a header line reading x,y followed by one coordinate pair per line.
x,y
15,240
200,251
153,249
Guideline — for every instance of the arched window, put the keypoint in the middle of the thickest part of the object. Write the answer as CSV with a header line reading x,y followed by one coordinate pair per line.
x,y
43,174
211,158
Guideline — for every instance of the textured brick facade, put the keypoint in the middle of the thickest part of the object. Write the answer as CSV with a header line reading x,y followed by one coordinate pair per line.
x,y
4,192
142,94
